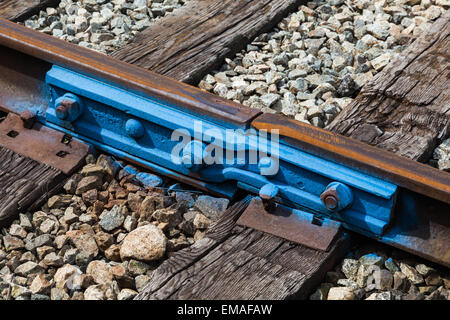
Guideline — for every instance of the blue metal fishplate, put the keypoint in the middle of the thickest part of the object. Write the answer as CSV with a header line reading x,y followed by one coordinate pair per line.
x,y
171,141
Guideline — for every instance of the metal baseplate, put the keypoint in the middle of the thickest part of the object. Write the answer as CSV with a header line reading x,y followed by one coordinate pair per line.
x,y
302,197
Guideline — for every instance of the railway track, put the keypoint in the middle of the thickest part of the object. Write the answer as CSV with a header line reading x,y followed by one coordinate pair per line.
x,y
64,100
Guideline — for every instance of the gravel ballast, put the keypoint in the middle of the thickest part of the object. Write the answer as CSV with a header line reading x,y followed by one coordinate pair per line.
x,y
375,272
101,25
317,59
102,240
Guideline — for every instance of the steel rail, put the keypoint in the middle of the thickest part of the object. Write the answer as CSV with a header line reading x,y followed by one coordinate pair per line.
x,y
409,174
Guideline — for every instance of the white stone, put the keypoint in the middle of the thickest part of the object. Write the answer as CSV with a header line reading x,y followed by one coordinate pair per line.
x,y
146,243
381,61
94,292
341,293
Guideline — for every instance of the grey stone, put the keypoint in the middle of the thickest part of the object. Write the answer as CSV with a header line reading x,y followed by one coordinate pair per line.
x,y
112,219
28,268
39,297
17,231
321,293
201,222
95,292
137,268
53,260
70,256
100,271
40,285
380,296
59,201
19,292
348,283
211,207
424,270
12,243
43,251
172,216
411,273
281,59
371,259
348,87
130,223
350,268
83,258
25,222
84,242
384,279
399,281
39,241
391,265
270,99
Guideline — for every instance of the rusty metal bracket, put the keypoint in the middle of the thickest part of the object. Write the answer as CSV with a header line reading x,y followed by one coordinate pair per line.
x,y
42,144
294,225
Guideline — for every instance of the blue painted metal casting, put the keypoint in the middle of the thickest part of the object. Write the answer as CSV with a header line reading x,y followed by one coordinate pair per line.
x,y
143,129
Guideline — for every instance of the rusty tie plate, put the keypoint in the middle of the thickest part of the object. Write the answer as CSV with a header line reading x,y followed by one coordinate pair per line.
x,y
42,144
293,225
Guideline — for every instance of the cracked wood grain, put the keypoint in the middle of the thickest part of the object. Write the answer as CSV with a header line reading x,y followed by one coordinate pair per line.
x,y
24,184
234,262
18,10
197,37
406,107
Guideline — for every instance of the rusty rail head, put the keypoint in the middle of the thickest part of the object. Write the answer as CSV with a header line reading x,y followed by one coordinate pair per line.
x,y
402,171
127,76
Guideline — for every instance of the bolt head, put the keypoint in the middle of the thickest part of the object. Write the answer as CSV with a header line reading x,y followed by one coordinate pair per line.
x,y
134,128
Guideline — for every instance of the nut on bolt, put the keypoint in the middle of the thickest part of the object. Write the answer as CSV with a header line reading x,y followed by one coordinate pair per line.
x,y
68,107
336,196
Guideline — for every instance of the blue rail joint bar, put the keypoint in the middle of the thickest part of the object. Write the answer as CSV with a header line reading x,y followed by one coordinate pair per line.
x,y
143,128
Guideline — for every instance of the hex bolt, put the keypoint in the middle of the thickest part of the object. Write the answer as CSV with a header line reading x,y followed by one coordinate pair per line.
x,y
28,117
267,193
68,107
336,196
134,128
